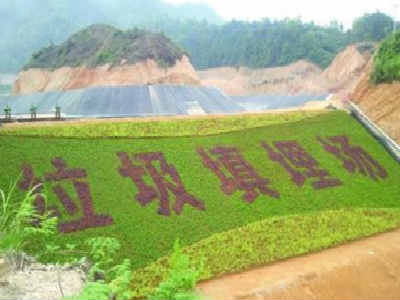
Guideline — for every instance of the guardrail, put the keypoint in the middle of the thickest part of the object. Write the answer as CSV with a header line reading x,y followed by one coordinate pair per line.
x,y
379,134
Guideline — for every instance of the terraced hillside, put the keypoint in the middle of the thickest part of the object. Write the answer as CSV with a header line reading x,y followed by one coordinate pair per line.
x,y
280,185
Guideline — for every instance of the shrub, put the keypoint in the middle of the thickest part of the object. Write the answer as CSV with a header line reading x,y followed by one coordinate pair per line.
x,y
107,281
93,291
181,280
22,228
387,61
102,251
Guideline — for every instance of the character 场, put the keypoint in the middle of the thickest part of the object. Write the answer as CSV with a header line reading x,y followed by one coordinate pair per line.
x,y
354,158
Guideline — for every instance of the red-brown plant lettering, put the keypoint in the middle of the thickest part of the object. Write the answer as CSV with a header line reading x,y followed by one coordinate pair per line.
x,y
299,164
89,219
162,186
354,158
244,176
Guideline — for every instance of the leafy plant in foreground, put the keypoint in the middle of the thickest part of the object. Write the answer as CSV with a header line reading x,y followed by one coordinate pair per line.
x,y
106,281
101,254
181,280
22,228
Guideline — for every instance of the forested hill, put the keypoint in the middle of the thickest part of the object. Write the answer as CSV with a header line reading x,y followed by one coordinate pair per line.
x,y
29,25
270,43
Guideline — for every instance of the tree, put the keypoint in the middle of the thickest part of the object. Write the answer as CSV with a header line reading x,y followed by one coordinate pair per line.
x,y
372,27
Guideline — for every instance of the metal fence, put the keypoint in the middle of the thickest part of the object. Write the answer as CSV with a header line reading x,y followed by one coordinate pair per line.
x,y
379,134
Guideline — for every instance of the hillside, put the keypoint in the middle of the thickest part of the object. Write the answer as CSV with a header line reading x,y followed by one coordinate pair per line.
x,y
28,26
254,44
340,77
291,79
103,55
378,92
380,103
271,189
103,44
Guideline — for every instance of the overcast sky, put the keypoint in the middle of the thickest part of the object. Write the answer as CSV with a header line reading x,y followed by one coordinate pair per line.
x,y
320,11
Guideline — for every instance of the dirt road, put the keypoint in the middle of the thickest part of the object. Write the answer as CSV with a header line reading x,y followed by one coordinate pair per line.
x,y
367,269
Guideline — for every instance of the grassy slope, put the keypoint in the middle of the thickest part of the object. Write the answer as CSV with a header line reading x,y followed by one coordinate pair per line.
x,y
270,240
155,128
146,236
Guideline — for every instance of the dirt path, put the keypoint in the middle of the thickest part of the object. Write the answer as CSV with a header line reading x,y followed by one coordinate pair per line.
x,y
367,269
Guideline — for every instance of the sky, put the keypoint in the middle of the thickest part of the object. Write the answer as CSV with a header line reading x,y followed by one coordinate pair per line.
x,y
319,11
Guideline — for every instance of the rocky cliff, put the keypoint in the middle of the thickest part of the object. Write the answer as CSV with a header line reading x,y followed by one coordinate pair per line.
x,y
101,55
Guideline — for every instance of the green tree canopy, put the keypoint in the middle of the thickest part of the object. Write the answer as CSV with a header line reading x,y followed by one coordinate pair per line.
x,y
387,61
372,27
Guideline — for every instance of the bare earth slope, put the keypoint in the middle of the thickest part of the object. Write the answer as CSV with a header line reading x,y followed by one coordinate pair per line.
x,y
367,269
101,55
300,77
380,102
68,78
291,79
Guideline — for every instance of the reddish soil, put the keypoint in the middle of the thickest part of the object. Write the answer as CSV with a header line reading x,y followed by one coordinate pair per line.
x,y
68,78
366,269
300,77
380,103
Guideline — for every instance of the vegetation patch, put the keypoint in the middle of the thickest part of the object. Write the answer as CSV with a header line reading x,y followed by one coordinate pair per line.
x,y
387,61
148,192
271,240
157,128
103,44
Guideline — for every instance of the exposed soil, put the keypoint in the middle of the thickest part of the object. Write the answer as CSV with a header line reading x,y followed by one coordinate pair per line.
x,y
39,282
292,79
366,269
301,77
69,78
380,102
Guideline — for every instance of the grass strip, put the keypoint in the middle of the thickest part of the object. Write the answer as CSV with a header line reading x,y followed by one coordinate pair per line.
x,y
156,128
271,240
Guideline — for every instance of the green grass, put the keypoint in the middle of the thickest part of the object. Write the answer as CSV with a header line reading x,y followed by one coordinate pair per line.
x,y
271,240
173,127
146,236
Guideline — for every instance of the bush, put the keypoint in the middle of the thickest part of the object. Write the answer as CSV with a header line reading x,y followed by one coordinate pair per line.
x,y
181,280
22,228
106,281
387,61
